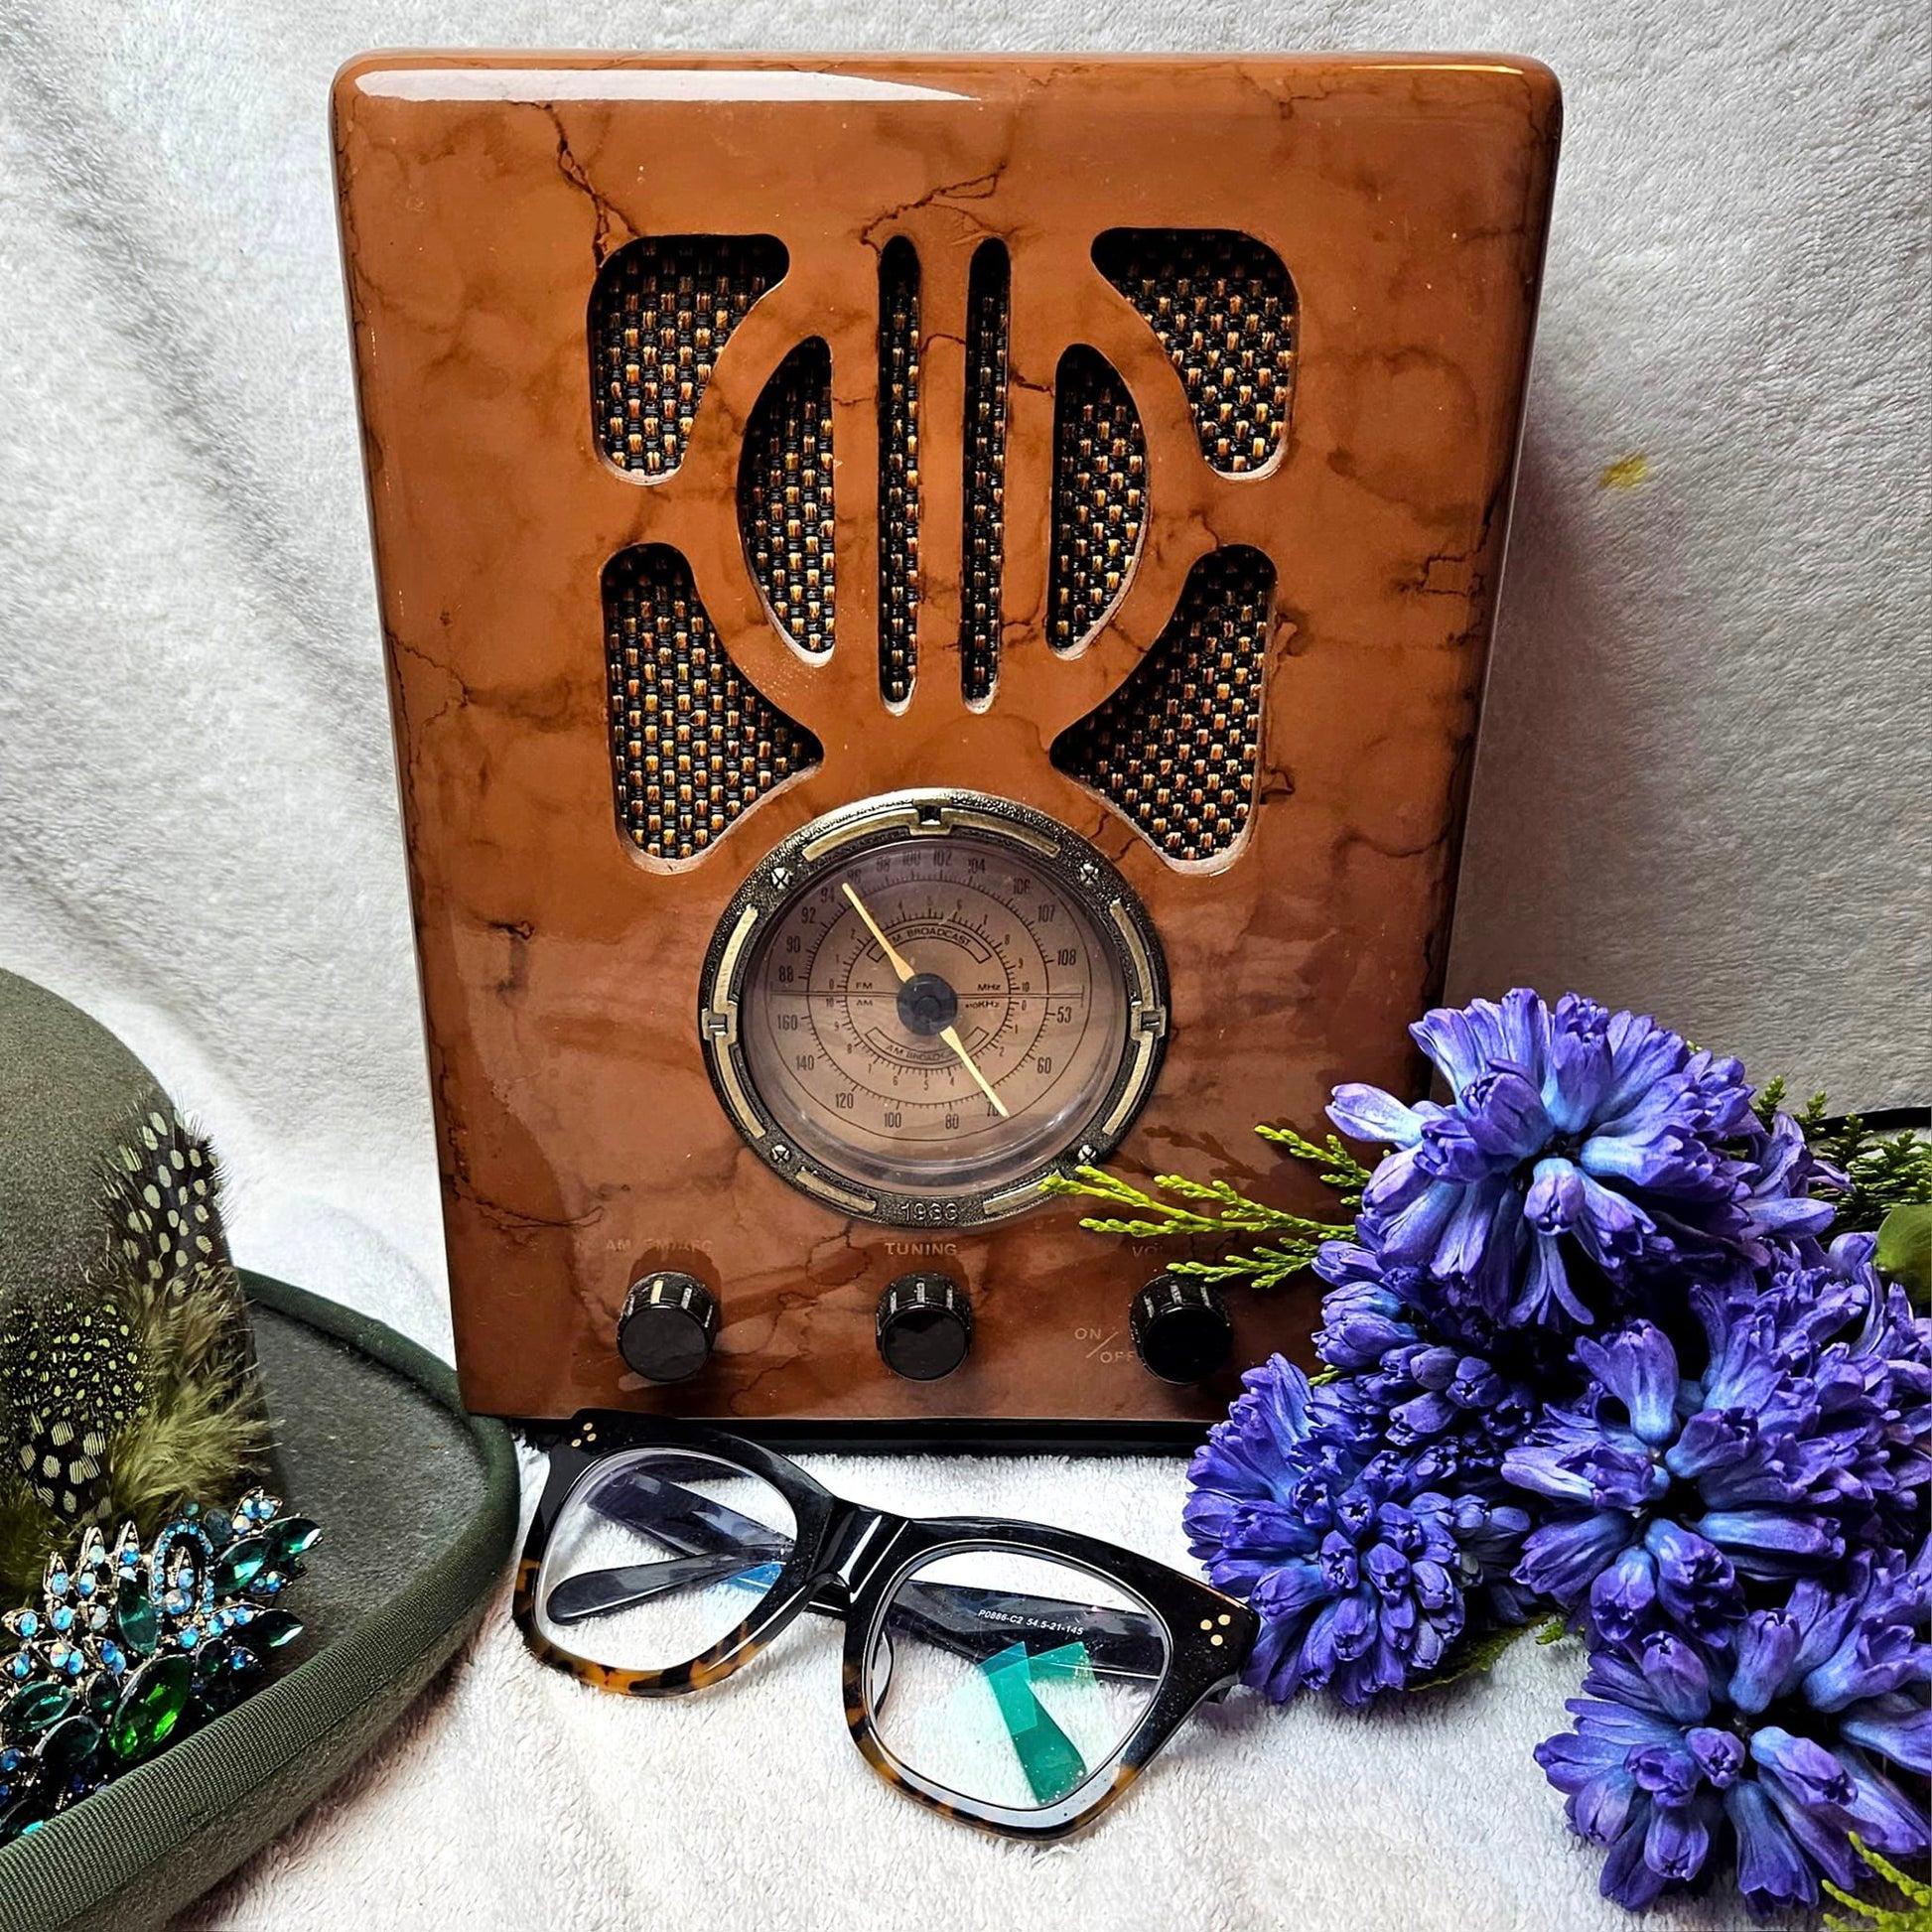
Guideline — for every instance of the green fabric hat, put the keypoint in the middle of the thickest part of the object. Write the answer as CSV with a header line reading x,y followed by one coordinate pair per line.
x,y
139,1370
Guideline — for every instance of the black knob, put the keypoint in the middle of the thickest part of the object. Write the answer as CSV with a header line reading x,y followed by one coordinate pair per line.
x,y
1181,1328
924,1327
667,1326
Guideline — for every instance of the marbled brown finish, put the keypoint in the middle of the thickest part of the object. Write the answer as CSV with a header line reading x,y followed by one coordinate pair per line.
x,y
579,1139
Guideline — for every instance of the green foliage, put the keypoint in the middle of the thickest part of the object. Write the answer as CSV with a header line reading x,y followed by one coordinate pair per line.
x,y
1885,1171
1914,1915
1218,1209
1336,1167
1904,1249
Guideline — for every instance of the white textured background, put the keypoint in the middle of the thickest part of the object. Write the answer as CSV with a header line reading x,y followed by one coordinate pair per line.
x,y
1700,790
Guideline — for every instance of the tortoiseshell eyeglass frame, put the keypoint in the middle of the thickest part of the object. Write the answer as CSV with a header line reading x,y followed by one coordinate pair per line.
x,y
848,1561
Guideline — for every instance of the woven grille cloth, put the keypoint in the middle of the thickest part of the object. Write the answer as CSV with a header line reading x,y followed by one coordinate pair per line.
x,y
663,310
1175,748
1225,310
693,745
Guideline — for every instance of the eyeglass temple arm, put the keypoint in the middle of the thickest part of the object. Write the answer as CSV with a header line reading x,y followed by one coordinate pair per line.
x,y
603,1592
968,1622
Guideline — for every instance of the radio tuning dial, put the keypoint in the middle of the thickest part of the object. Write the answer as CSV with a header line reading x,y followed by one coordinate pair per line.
x,y
667,1326
923,1327
919,1008
1181,1328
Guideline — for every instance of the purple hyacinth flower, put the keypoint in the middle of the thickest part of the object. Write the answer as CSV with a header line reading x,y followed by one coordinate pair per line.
x,y
1359,1573
1668,1770
1581,1148
1803,1434
1418,1377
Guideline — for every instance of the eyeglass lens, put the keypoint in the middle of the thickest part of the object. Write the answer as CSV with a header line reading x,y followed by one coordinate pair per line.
x,y
657,1556
1011,1678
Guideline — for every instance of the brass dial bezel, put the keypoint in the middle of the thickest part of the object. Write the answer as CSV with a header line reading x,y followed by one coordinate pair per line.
x,y
800,862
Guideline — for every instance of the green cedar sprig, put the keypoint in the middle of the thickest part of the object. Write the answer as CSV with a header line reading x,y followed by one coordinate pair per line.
x,y
1217,1208
1915,1915
1885,1171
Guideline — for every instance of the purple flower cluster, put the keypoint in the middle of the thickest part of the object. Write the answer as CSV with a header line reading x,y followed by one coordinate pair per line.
x,y
1359,1569
1587,1355
1787,1733
1585,1151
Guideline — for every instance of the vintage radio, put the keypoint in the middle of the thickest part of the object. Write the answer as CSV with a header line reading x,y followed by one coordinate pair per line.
x,y
936,610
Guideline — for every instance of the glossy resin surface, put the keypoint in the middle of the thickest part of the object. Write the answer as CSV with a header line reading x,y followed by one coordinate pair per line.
x,y
945,399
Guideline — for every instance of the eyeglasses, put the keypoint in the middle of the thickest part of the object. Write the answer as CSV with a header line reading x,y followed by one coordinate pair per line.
x,y
1005,1673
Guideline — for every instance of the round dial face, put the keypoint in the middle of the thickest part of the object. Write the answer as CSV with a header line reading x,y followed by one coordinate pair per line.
x,y
933,1001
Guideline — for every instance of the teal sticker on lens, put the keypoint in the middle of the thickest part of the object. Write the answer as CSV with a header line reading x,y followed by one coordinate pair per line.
x,y
1049,1759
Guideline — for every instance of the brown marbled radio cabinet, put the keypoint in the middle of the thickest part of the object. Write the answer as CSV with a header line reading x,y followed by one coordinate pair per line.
x,y
936,613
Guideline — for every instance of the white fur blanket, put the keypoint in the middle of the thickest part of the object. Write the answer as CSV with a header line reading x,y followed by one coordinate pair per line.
x,y
1700,790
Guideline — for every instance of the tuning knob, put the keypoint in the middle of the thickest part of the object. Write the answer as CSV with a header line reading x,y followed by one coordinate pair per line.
x,y
1181,1328
667,1326
923,1327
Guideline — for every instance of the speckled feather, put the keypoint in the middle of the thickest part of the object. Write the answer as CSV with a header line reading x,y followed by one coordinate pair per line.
x,y
132,1389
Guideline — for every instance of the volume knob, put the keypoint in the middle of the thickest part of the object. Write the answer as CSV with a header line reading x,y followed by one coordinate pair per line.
x,y
667,1326
1181,1328
923,1327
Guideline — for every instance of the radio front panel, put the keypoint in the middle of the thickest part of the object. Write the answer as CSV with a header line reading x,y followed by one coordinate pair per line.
x,y
935,614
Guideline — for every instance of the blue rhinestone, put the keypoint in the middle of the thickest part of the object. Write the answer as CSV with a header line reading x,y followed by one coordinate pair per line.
x,y
73,1664
22,1666
56,1585
9,1762
29,1625
62,1618
244,1613
86,1586
186,1638
112,1656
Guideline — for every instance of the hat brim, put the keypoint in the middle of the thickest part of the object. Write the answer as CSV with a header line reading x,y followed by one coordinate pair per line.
x,y
418,1503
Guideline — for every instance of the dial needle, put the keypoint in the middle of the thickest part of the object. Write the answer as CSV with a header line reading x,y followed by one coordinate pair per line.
x,y
902,967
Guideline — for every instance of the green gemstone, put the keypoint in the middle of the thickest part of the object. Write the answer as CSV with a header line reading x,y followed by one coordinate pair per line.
x,y
210,1662
69,1746
23,1815
229,1680
151,1706
271,1630
139,1624
34,1709
239,1565
288,1539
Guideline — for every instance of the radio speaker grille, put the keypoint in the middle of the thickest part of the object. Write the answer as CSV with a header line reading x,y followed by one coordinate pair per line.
x,y
1099,496
661,311
898,470
785,496
692,745
1175,748
1225,309
988,288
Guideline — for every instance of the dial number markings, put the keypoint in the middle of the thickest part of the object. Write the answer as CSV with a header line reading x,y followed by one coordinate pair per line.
x,y
931,1017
